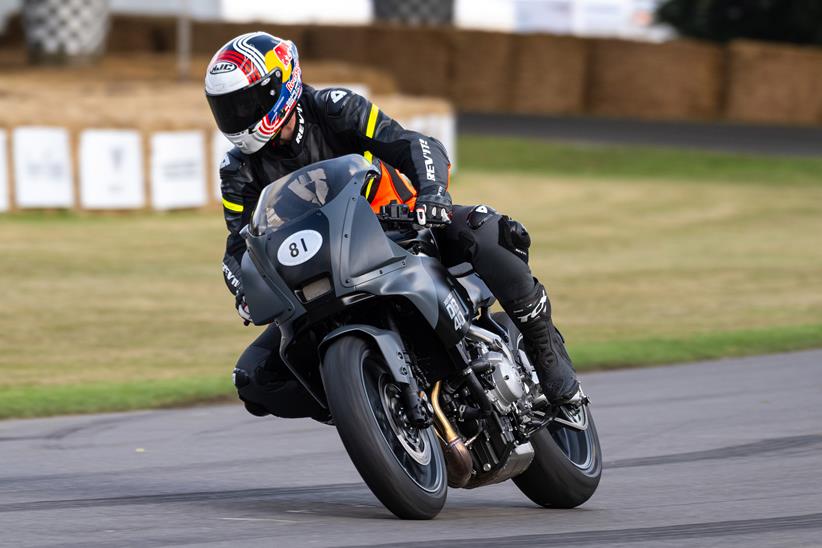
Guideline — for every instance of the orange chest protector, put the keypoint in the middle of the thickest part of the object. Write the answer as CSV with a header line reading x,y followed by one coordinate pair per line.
x,y
390,186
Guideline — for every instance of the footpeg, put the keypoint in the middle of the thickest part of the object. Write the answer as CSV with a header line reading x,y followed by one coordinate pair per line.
x,y
573,413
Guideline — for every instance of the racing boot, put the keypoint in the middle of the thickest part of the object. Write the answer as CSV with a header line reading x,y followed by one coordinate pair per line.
x,y
544,345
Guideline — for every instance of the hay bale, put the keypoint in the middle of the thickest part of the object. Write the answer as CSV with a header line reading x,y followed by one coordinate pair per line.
x,y
379,82
419,59
682,79
404,107
549,74
769,83
340,43
480,66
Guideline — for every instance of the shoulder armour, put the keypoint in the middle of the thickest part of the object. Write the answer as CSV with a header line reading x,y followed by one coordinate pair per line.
x,y
233,162
334,99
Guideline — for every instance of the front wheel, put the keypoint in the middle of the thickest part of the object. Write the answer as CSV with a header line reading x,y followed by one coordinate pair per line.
x,y
402,465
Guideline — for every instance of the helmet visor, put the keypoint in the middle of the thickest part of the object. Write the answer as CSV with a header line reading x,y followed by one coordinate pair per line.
x,y
241,109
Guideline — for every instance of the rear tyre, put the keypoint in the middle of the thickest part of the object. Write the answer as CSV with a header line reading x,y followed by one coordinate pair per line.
x,y
567,463
403,466
567,466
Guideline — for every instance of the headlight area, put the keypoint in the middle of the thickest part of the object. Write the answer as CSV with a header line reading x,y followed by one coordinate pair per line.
x,y
314,289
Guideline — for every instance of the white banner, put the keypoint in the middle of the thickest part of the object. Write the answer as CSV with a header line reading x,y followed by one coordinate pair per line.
x,y
42,167
177,170
4,173
219,146
111,169
351,12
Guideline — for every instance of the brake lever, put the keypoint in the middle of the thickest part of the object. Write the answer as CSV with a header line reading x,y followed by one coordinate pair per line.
x,y
421,217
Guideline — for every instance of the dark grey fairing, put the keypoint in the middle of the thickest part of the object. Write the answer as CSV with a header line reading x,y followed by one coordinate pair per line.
x,y
355,257
478,293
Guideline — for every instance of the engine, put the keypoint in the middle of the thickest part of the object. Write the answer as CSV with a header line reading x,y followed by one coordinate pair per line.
x,y
509,387
496,442
509,383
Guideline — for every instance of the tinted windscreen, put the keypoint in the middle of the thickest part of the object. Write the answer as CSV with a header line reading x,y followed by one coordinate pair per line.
x,y
303,191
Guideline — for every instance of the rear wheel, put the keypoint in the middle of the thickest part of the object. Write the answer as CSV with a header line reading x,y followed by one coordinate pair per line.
x,y
567,463
402,465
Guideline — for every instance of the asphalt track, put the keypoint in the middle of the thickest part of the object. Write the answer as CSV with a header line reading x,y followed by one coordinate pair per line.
x,y
712,136
721,453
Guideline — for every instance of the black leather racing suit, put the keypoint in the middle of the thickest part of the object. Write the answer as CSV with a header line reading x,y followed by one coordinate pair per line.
x,y
332,123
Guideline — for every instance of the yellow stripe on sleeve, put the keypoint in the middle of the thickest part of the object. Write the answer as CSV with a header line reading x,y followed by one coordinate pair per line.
x,y
232,206
370,128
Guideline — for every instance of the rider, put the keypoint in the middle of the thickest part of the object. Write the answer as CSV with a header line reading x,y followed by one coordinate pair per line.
x,y
254,88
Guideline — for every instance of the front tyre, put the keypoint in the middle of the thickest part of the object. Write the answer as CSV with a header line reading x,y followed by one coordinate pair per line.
x,y
403,466
566,468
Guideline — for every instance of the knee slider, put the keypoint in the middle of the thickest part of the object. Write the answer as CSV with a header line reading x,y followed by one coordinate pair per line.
x,y
514,237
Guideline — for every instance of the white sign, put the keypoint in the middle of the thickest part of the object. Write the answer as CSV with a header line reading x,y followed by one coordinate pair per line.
x,y
351,12
111,169
617,18
177,170
42,167
219,147
4,173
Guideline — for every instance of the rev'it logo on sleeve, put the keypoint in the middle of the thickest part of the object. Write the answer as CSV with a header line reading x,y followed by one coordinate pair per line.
x,y
430,172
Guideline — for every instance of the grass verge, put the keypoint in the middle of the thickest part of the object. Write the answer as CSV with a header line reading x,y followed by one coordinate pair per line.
x,y
650,256
513,155
96,397
644,352
43,401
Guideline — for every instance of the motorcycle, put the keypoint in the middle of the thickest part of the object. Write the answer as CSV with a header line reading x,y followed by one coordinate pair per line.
x,y
428,388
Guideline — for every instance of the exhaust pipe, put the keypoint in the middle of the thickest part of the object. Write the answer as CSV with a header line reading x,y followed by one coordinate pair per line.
x,y
457,458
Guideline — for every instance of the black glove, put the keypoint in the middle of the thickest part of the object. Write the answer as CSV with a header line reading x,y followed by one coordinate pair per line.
x,y
433,207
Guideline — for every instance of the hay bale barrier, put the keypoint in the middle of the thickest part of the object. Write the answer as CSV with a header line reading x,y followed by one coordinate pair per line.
x,y
418,58
770,83
349,44
549,74
480,71
484,71
678,80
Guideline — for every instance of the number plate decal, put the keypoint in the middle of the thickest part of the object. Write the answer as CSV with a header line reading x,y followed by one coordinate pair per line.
x,y
299,247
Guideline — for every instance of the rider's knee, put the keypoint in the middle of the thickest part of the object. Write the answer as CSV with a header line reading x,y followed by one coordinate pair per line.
x,y
490,229
514,237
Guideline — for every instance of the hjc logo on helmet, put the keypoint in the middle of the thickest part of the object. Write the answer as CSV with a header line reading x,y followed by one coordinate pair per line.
x,y
223,67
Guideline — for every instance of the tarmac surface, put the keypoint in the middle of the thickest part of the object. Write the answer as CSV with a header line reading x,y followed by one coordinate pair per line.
x,y
716,453
711,136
